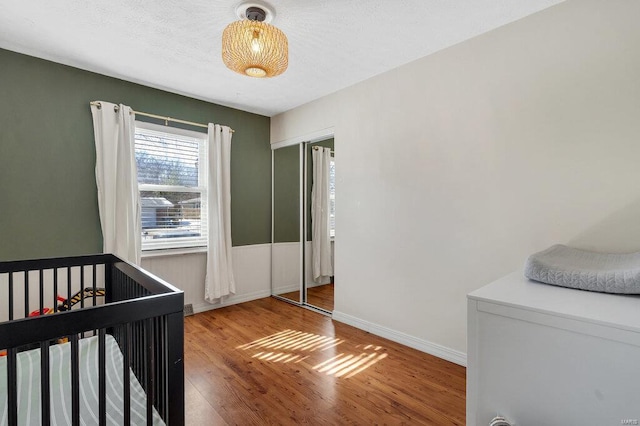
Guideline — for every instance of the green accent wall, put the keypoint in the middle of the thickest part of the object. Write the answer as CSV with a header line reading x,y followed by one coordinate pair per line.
x,y
286,191
48,201
286,194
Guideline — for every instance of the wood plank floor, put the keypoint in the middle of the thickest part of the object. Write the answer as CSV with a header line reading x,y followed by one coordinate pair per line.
x,y
269,362
320,296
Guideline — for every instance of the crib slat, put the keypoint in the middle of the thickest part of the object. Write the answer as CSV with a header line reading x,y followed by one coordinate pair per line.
x,y
139,351
82,288
75,381
93,277
45,388
41,289
175,353
160,383
161,344
55,289
26,294
126,379
110,289
69,294
149,361
10,296
93,284
102,380
135,354
12,386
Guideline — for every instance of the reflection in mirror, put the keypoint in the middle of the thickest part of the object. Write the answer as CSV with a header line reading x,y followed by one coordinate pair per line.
x,y
286,250
320,224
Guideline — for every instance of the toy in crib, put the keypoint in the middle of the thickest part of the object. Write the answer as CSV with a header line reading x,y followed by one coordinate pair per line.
x,y
65,305
82,294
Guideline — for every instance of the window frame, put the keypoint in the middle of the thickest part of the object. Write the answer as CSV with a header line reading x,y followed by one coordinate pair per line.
x,y
179,243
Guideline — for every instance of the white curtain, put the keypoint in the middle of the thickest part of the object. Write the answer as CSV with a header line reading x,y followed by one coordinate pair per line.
x,y
219,281
321,241
117,180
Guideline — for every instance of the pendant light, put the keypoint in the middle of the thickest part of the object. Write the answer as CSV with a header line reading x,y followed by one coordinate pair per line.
x,y
254,47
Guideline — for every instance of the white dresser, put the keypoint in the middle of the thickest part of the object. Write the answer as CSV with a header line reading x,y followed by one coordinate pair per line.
x,y
546,355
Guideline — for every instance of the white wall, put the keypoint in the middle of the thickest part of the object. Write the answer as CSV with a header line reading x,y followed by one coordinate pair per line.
x,y
251,268
457,166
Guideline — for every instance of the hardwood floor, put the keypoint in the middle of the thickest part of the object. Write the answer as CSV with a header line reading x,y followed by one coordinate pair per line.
x,y
269,362
292,295
320,296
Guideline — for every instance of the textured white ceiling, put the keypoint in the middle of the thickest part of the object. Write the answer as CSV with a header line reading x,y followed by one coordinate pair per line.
x,y
175,45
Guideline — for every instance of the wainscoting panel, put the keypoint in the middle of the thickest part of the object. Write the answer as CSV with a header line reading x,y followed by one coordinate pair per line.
x,y
251,268
286,267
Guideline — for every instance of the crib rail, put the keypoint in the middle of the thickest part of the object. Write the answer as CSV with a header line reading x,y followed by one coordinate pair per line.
x,y
51,276
142,313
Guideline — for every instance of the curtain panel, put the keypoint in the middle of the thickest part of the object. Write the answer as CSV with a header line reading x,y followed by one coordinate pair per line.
x,y
219,280
321,240
117,180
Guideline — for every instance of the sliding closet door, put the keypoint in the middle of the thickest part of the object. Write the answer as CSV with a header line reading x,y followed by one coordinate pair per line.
x,y
286,249
319,281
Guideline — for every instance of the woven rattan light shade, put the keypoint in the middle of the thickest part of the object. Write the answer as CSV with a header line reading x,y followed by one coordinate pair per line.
x,y
255,48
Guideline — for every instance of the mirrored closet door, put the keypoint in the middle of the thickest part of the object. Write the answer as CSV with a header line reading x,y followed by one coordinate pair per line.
x,y
304,210
286,249
319,218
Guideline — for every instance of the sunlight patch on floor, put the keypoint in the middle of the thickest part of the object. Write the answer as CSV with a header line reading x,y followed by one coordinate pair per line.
x,y
348,365
292,340
291,346
279,357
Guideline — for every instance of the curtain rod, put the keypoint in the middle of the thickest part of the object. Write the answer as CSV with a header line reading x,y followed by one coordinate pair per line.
x,y
317,148
159,117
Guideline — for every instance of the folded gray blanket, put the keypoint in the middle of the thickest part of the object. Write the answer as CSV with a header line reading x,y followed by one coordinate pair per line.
x,y
569,267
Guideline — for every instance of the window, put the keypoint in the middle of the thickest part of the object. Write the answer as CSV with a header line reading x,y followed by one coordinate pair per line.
x,y
172,176
332,198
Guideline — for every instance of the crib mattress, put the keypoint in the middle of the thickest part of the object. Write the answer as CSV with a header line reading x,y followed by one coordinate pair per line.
x,y
569,267
28,391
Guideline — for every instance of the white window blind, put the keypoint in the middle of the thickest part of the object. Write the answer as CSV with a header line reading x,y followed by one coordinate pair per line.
x,y
172,167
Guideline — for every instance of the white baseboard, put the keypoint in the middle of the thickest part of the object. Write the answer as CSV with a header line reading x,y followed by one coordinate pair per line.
x,y
434,349
231,300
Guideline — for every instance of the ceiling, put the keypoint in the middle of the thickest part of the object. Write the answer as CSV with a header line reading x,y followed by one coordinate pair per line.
x,y
175,45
